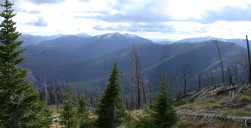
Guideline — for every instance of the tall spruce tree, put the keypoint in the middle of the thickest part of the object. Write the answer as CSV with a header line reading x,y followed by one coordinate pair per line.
x,y
19,105
83,113
164,115
161,113
111,112
68,114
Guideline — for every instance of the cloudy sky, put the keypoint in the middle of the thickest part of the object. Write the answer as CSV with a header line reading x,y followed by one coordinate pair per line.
x,y
153,19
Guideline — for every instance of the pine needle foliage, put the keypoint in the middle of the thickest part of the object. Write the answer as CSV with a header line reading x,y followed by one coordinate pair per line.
x,y
19,105
161,114
164,115
111,112
68,114
83,113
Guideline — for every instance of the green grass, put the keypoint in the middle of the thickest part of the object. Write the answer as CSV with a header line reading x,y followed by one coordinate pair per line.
x,y
213,105
199,123
243,98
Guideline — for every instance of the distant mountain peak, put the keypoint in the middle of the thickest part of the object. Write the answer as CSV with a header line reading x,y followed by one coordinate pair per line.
x,y
197,39
117,35
83,35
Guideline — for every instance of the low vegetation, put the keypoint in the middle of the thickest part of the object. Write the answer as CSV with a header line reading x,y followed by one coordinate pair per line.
x,y
240,107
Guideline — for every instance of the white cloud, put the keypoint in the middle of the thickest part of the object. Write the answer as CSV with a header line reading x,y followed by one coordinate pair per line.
x,y
175,19
185,9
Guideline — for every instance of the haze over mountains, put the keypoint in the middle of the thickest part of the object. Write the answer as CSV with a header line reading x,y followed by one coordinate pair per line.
x,y
80,58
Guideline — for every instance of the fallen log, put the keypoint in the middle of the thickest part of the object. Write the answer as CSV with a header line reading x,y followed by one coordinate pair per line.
x,y
197,94
234,97
226,90
246,120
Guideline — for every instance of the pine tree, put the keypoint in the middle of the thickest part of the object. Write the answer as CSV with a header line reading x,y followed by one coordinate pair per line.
x,y
163,115
68,114
110,111
19,105
83,114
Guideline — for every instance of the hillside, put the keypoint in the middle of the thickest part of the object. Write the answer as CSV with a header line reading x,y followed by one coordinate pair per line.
x,y
81,59
213,107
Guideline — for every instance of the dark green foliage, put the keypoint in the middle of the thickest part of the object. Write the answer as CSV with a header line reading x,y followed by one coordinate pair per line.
x,y
41,118
111,112
161,113
146,122
19,105
179,100
83,113
68,114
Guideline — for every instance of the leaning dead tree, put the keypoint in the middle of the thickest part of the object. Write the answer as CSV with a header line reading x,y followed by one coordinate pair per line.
x,y
136,74
222,69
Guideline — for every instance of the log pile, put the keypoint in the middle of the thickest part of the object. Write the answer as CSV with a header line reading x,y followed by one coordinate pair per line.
x,y
246,120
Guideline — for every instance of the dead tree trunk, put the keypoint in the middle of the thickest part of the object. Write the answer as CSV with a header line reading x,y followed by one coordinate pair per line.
x,y
199,78
46,95
55,94
249,65
134,58
132,91
184,70
230,79
105,71
236,74
222,69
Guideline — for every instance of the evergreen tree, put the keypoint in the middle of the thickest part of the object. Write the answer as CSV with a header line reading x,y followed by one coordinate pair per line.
x,y
19,105
83,114
68,114
110,111
163,115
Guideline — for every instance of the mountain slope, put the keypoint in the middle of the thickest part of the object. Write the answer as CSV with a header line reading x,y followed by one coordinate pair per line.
x,y
75,59
241,42
70,58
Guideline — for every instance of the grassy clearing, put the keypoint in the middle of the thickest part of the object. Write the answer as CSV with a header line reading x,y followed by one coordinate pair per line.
x,y
55,114
199,123
241,105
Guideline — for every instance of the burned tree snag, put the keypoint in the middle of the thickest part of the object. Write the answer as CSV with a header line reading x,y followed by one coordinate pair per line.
x,y
222,69
249,65
134,58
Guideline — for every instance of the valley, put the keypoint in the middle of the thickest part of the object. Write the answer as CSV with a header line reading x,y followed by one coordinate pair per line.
x,y
80,59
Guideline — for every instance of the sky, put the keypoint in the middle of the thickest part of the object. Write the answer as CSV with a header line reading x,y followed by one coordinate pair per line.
x,y
152,19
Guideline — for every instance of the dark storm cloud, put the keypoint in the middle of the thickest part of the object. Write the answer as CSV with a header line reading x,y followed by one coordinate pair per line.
x,y
139,28
227,14
40,22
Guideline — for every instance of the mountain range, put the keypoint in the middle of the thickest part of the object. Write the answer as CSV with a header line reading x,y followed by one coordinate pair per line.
x,y
83,58
241,42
